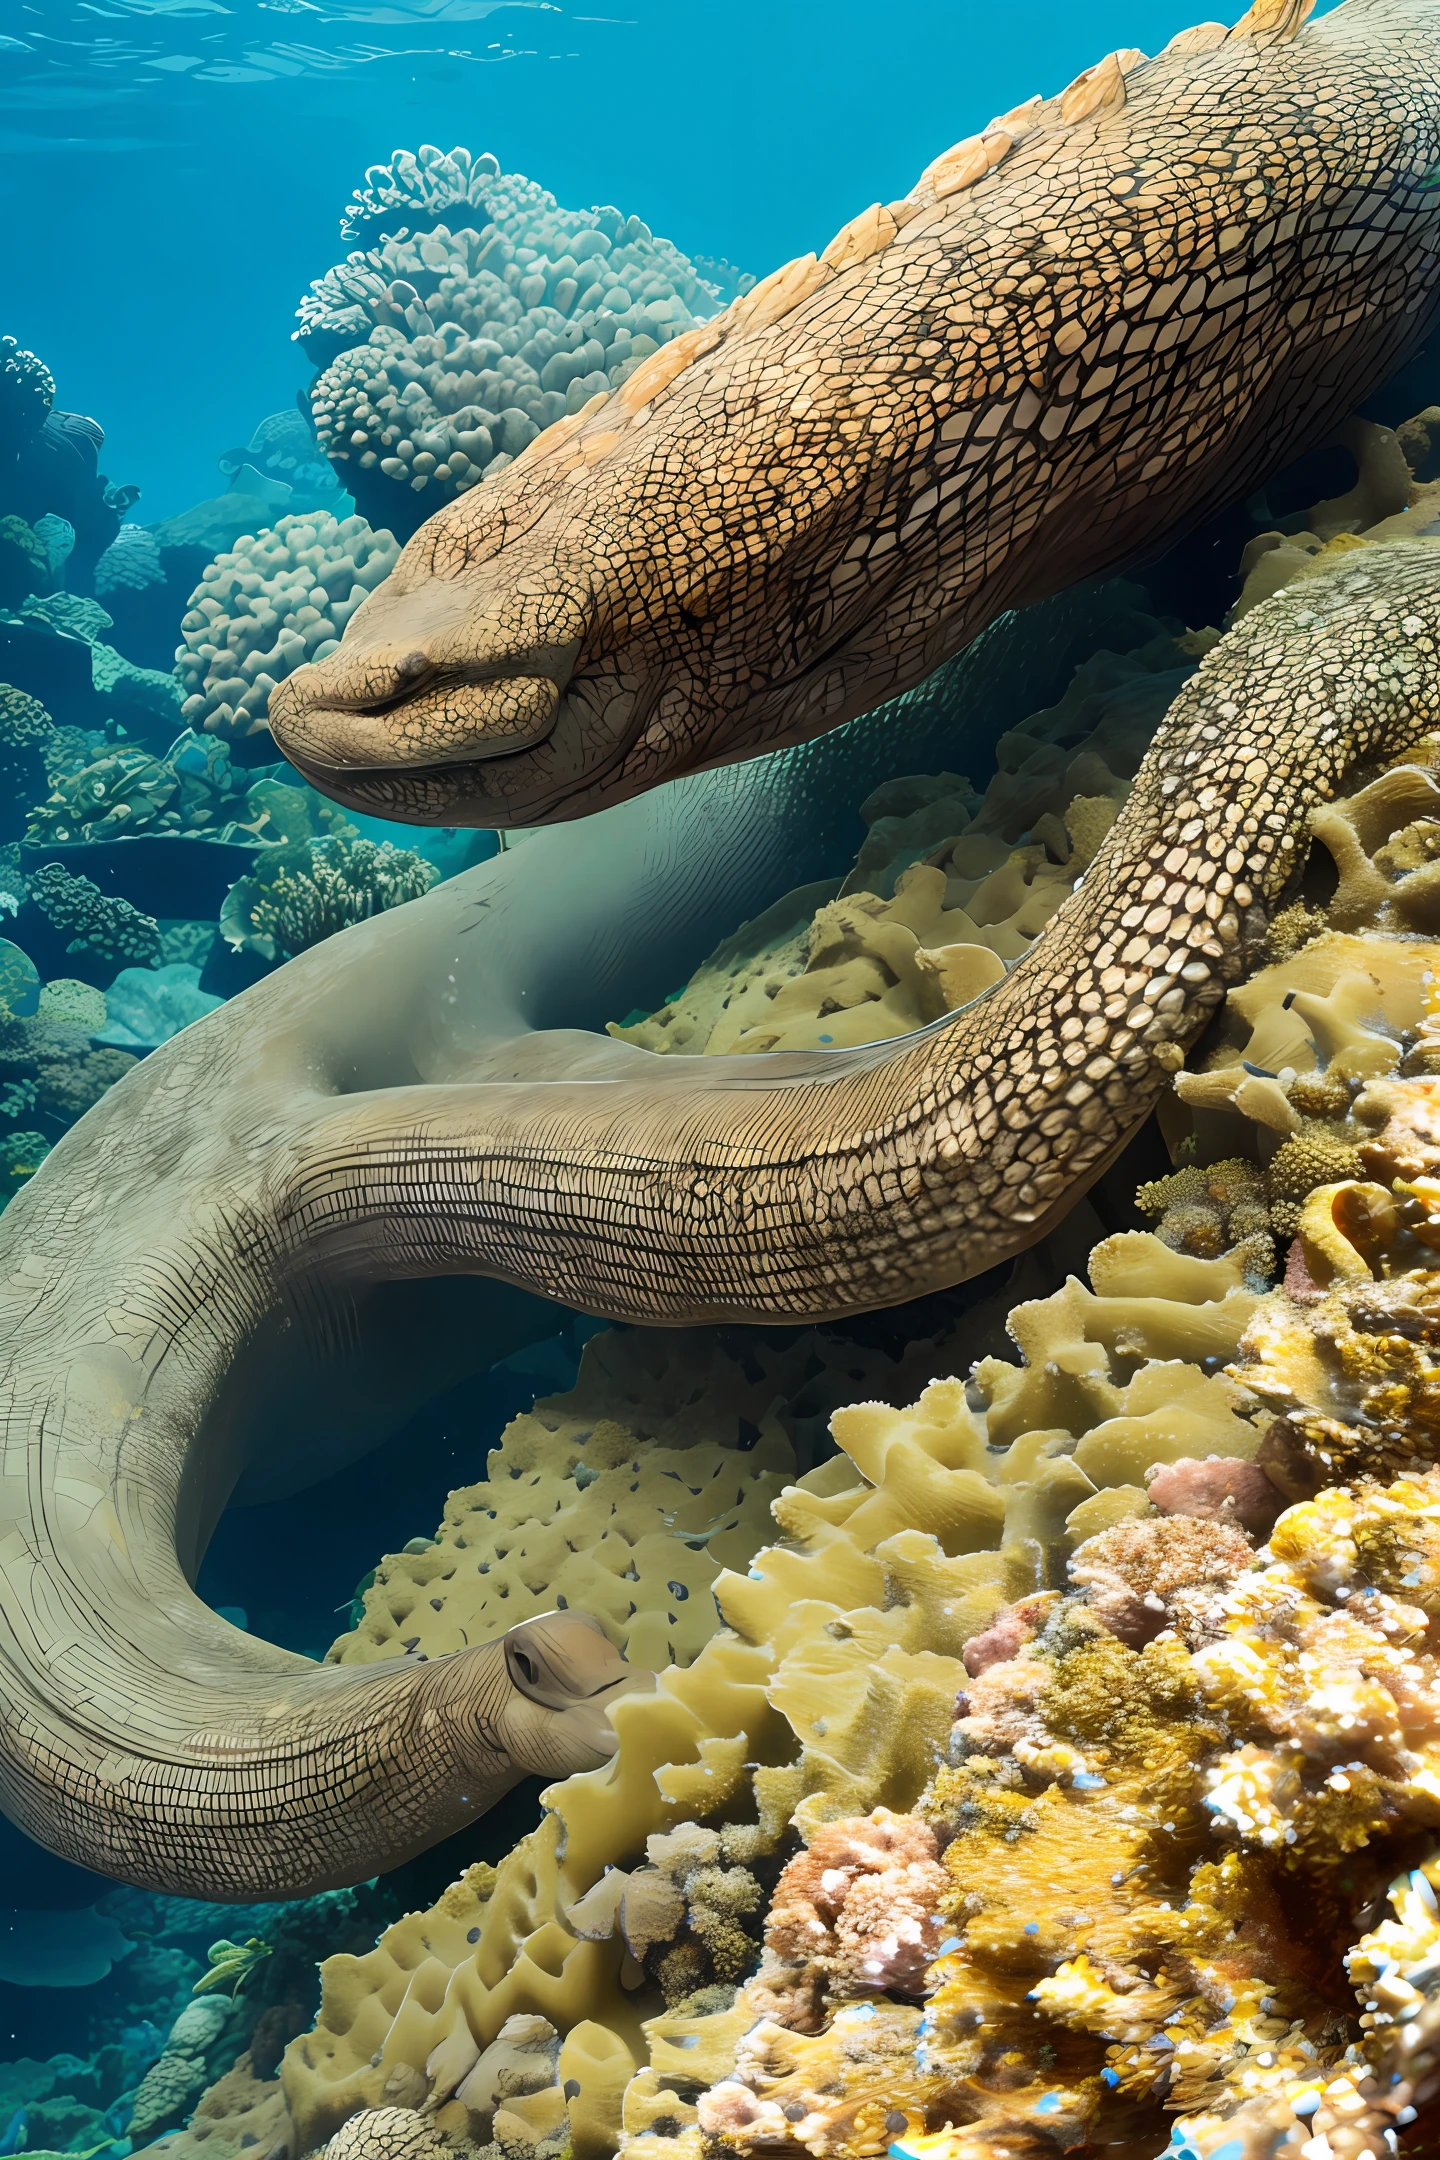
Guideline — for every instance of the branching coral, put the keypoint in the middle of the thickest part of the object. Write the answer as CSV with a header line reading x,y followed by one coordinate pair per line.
x,y
301,892
417,188
27,389
268,605
455,339
856,1913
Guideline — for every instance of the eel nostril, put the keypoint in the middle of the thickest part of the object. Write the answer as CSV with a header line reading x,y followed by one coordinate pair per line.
x,y
414,663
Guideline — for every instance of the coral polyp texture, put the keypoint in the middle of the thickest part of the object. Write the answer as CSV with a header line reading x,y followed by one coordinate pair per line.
x,y
481,312
268,605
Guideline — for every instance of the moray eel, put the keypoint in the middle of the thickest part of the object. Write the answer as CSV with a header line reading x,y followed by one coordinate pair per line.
x,y
378,1111
1083,330
165,1344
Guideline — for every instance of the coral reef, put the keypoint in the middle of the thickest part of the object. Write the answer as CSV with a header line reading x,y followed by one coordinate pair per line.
x,y
636,1522
24,564
178,2076
136,699
452,341
143,589
49,463
416,189
265,606
300,892
109,932
1143,1872
283,454
1124,1886
21,1154
834,1681
27,389
26,732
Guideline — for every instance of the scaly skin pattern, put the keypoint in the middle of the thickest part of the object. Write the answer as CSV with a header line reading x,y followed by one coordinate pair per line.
x,y
1081,331
352,1139
154,1350
820,1184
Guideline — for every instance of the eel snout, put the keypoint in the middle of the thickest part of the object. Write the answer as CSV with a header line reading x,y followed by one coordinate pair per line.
x,y
428,676
566,1675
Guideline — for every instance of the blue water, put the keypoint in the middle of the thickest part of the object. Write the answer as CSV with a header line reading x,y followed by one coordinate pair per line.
x,y
171,171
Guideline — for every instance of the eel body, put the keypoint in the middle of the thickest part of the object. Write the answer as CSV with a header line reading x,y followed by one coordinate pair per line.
x,y
1083,330
378,1110
159,1349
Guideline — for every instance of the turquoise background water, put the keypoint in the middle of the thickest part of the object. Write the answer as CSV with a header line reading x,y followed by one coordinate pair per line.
x,y
171,171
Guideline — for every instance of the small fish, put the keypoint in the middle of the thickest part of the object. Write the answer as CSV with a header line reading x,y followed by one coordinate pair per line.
x,y
16,2133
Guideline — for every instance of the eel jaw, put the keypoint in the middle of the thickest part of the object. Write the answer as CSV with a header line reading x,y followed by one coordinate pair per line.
x,y
565,1676
427,675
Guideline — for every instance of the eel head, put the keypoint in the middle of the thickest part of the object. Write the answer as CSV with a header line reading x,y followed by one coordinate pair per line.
x,y
564,1677
599,617
447,689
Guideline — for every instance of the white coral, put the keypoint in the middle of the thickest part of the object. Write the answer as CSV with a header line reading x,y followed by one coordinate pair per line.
x,y
272,602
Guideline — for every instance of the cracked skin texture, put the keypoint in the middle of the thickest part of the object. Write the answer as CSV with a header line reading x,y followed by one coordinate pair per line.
x,y
1082,331
140,1734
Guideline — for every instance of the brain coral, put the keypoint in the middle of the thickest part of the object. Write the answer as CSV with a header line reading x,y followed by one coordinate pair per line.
x,y
450,345
266,606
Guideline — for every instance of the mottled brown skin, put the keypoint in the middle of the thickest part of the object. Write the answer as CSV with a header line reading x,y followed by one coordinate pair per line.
x,y
142,1735
814,1185
1178,273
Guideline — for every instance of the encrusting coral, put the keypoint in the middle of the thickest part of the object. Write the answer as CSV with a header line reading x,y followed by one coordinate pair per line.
x,y
265,607
110,930
451,342
635,1521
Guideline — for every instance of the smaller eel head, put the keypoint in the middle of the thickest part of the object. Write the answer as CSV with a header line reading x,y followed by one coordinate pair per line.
x,y
564,1675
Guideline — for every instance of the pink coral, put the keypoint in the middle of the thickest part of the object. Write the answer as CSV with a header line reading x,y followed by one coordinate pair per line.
x,y
1221,1489
858,1913
1012,1627
1155,1572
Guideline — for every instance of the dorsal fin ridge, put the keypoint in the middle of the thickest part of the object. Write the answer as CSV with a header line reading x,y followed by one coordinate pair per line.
x,y
1273,22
